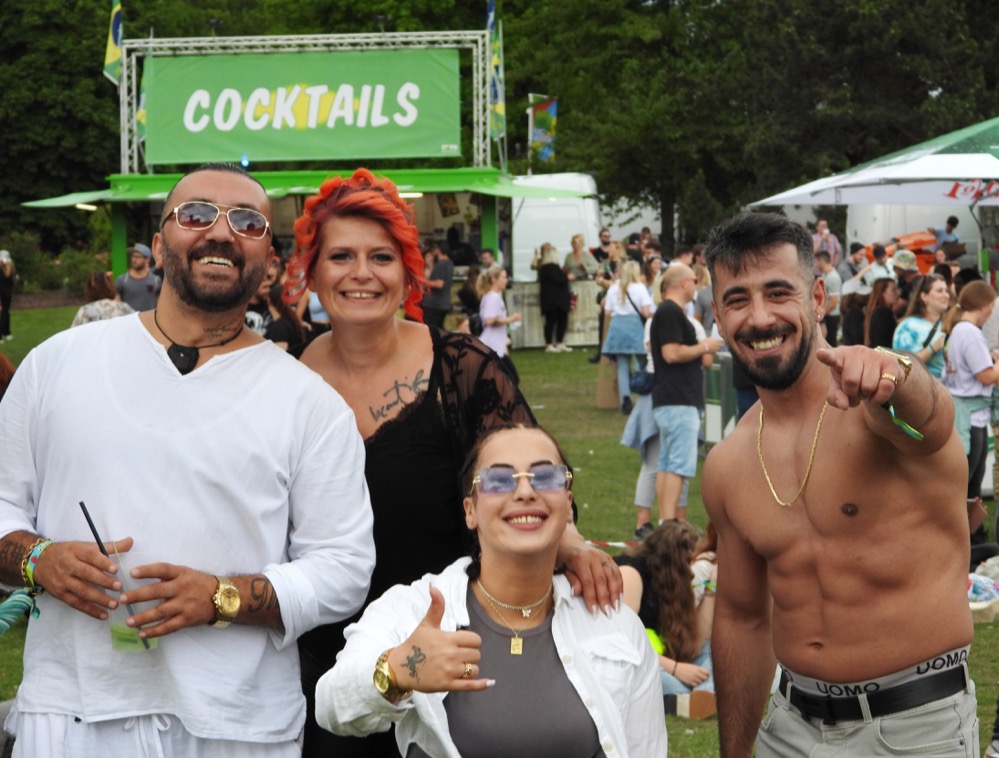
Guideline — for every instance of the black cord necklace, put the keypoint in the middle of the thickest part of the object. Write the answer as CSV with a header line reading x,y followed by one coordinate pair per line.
x,y
185,357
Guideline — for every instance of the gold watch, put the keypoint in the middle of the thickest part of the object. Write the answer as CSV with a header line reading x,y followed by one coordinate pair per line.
x,y
385,681
227,603
903,360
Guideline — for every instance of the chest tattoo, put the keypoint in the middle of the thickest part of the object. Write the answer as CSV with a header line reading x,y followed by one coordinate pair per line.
x,y
400,394
849,509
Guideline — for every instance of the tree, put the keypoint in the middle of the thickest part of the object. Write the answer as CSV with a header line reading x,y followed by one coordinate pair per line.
x,y
744,97
58,115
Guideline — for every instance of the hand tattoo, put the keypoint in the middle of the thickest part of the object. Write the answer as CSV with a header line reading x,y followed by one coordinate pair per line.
x,y
419,384
412,660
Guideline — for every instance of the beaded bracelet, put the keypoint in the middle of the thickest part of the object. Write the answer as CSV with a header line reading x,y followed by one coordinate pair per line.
x,y
28,565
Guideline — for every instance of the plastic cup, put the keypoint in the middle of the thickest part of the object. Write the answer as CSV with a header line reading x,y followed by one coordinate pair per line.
x,y
125,638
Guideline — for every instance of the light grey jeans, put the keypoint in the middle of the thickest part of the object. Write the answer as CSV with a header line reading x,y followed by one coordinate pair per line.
x,y
944,728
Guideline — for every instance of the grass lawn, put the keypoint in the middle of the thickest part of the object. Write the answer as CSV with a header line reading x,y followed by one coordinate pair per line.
x,y
561,388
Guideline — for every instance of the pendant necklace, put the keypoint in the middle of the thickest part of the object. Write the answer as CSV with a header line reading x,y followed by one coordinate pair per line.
x,y
811,459
516,643
525,610
185,357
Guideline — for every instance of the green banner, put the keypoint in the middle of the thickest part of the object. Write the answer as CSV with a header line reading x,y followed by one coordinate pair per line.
x,y
302,106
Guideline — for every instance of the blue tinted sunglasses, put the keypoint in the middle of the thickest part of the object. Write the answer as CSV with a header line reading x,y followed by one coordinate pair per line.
x,y
544,477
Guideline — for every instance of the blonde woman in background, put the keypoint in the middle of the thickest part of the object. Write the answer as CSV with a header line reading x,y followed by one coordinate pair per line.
x,y
492,311
580,264
627,304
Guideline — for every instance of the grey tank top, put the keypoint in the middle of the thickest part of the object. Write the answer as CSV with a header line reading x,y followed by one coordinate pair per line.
x,y
533,711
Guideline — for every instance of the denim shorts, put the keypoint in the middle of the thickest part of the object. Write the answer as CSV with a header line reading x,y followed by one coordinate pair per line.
x,y
678,427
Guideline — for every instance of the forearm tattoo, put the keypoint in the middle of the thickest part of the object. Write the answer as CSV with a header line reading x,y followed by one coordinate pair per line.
x,y
412,661
262,596
11,554
400,393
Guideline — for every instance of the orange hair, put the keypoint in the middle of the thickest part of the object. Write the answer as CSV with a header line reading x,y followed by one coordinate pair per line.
x,y
365,196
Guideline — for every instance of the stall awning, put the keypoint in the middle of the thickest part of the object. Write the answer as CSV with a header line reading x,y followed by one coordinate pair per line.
x,y
125,188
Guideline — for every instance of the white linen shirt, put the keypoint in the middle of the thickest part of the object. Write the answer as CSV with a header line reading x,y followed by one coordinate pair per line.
x,y
608,660
251,463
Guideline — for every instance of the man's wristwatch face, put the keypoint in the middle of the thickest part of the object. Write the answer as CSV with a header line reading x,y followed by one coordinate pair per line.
x,y
227,602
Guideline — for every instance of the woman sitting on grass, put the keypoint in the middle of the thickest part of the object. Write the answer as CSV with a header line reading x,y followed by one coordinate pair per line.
x,y
669,581
494,656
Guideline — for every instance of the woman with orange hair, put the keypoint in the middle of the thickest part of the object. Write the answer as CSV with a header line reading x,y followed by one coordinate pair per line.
x,y
420,397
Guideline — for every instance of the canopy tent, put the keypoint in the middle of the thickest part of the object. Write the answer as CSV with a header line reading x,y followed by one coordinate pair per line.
x,y
154,187
959,168
489,182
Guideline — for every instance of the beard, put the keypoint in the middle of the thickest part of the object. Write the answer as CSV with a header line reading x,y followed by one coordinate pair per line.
x,y
770,373
213,297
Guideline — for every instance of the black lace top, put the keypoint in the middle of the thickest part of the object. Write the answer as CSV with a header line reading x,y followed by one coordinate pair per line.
x,y
413,464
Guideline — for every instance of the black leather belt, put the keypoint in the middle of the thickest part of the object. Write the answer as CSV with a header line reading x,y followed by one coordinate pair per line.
x,y
895,699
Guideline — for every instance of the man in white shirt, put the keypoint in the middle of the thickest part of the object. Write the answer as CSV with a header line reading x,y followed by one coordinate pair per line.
x,y
239,493
881,267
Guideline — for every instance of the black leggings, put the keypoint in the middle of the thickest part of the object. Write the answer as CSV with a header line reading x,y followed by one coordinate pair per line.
x,y
5,301
976,460
556,322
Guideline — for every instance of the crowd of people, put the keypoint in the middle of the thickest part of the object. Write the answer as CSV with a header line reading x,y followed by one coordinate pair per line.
x,y
375,545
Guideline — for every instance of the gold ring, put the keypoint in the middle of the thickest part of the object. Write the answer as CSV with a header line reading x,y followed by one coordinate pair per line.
x,y
890,377
468,671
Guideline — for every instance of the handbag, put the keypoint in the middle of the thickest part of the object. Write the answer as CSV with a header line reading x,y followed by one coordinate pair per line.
x,y
640,381
475,324
640,314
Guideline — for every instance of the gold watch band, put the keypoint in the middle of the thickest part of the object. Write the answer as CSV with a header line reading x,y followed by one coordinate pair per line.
x,y
384,679
904,361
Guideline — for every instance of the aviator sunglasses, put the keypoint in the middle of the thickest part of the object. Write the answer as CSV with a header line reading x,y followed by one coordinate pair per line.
x,y
197,216
544,477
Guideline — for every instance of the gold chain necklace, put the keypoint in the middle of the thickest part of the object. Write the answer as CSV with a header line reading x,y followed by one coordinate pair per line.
x,y
811,458
516,643
525,610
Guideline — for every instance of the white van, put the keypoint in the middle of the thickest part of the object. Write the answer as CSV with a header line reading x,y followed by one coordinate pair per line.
x,y
536,220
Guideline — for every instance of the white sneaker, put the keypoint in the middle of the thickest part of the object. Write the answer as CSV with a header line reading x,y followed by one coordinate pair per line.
x,y
563,348
992,751
552,349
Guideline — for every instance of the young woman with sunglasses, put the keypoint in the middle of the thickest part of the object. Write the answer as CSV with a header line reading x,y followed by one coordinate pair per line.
x,y
494,656
421,397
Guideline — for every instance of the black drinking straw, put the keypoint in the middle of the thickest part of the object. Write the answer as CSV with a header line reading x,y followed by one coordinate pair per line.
x,y
100,544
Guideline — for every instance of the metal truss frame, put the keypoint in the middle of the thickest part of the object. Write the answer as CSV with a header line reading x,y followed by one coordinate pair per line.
x,y
134,49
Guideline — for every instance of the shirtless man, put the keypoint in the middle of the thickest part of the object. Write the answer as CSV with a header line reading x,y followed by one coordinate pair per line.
x,y
853,571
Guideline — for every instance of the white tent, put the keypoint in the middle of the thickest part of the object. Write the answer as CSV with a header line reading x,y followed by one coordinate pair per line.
x,y
959,168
